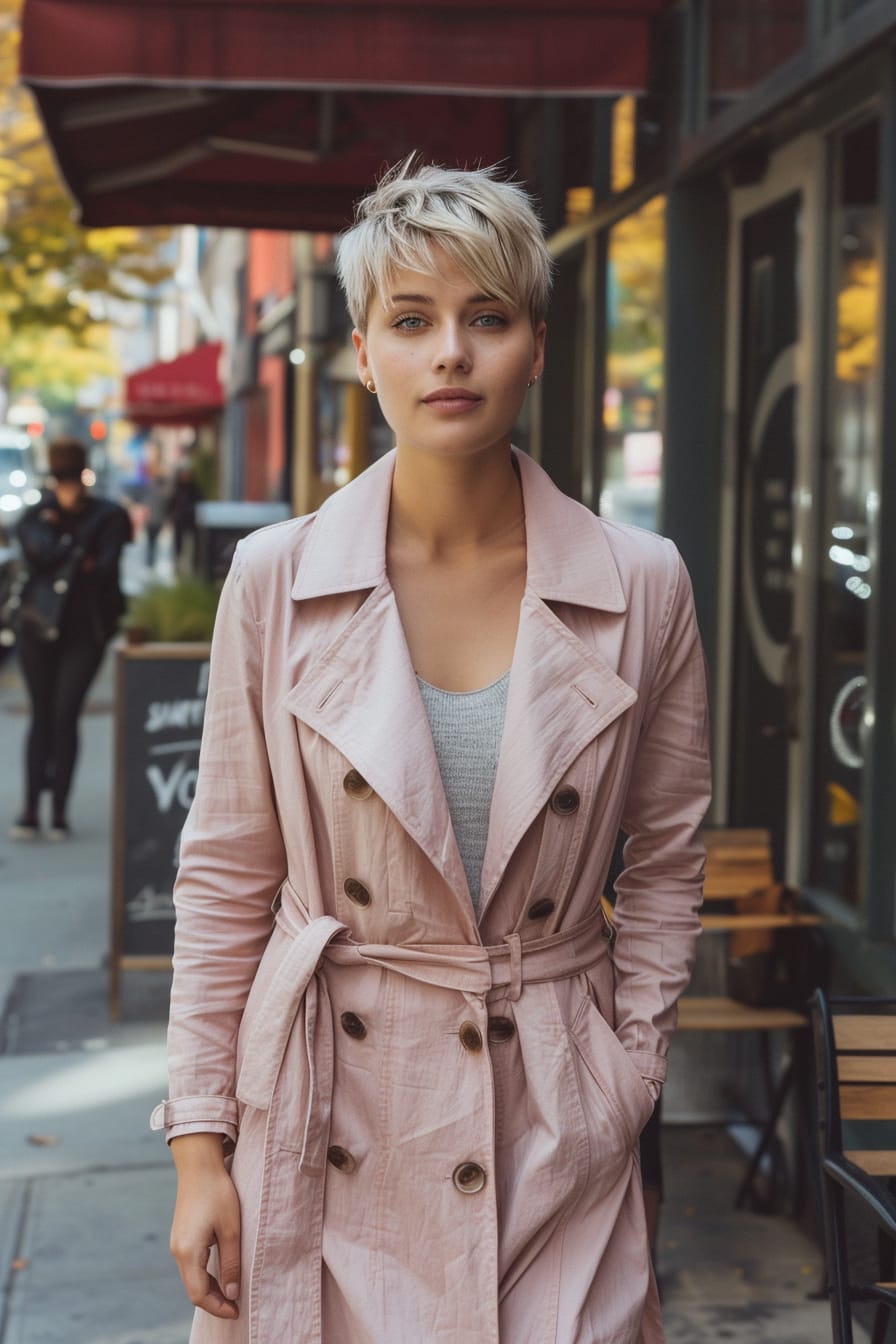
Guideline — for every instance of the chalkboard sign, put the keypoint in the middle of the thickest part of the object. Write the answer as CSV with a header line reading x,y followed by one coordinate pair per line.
x,y
160,704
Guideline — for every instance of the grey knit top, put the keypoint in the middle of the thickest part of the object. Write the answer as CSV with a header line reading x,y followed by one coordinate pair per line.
x,y
466,729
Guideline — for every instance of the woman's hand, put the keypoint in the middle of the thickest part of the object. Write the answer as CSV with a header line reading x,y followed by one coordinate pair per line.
x,y
207,1213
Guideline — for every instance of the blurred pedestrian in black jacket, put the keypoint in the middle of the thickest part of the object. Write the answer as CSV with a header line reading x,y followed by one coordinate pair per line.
x,y
185,495
72,543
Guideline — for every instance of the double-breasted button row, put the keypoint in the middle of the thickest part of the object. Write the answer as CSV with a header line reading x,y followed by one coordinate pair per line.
x,y
565,800
356,786
339,1157
469,1178
356,891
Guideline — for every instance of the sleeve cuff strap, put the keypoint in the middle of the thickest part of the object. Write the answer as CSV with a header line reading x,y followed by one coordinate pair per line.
x,y
196,1111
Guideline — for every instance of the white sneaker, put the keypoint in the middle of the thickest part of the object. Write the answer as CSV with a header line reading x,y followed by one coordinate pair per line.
x,y
24,830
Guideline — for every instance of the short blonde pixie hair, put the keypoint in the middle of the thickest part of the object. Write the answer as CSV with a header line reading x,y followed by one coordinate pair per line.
x,y
486,225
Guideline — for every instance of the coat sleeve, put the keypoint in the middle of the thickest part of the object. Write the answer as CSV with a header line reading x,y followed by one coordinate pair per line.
x,y
114,534
44,545
232,864
660,889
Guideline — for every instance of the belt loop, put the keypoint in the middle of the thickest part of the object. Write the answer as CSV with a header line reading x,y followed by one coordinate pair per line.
x,y
515,948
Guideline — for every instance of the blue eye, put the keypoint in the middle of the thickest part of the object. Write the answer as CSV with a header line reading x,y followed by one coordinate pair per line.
x,y
491,320
409,323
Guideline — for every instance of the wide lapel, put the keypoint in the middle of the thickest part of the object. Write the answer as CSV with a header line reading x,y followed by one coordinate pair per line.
x,y
562,692
361,694
561,696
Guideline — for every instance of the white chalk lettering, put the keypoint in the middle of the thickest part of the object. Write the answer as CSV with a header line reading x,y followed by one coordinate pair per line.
x,y
174,714
149,905
180,783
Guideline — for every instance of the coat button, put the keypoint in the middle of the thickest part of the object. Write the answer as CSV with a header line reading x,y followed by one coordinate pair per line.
x,y
356,786
500,1029
541,909
340,1158
470,1036
353,1026
469,1178
565,801
356,891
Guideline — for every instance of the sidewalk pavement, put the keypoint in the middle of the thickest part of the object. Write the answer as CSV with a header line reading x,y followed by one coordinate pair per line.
x,y
86,1190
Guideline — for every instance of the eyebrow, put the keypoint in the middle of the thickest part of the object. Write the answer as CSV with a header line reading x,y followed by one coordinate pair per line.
x,y
425,298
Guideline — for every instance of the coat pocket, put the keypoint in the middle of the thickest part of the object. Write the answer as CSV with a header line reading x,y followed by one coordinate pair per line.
x,y
609,1067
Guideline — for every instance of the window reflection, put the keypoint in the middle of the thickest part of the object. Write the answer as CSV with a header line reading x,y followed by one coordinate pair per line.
x,y
846,569
634,383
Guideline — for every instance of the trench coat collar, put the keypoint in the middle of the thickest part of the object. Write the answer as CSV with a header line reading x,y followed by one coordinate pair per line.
x,y
568,556
362,695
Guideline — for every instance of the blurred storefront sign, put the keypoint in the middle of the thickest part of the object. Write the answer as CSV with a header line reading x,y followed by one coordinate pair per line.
x,y
280,115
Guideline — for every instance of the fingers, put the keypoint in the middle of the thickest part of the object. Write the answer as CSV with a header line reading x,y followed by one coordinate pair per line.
x,y
207,1218
203,1289
229,1263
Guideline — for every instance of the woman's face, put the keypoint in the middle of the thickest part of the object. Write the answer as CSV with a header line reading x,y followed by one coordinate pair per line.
x,y
451,365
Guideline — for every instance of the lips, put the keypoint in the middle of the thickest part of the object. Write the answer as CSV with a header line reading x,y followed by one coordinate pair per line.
x,y
446,396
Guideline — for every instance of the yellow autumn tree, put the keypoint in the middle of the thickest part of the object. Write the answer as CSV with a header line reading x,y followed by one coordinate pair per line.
x,y
55,277
637,278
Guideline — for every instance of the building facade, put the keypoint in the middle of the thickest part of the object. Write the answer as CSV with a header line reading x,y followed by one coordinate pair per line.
x,y
717,347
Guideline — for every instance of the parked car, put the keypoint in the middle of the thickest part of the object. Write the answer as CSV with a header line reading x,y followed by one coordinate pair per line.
x,y
19,479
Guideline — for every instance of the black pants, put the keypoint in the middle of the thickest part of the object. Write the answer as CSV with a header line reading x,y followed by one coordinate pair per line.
x,y
58,676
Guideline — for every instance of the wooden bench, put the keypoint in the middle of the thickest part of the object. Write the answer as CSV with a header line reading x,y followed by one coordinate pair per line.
x,y
855,1062
738,866
739,872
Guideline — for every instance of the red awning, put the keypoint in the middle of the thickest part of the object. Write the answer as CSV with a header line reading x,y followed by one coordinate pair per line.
x,y
278,114
182,391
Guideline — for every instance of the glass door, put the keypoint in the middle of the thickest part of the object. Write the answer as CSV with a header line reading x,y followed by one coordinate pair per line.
x,y
848,508
770,400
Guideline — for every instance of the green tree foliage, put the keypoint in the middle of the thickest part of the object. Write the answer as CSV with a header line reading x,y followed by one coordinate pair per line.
x,y
55,277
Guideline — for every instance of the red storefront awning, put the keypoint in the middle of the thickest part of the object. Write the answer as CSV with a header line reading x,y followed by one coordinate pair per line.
x,y
271,113
182,391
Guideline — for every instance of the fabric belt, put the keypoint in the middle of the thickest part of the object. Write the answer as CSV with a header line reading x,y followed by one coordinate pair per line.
x,y
468,968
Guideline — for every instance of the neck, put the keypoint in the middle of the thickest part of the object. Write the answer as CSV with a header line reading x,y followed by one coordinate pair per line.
x,y
446,506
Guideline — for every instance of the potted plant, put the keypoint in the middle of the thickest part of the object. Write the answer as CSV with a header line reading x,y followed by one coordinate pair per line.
x,y
182,612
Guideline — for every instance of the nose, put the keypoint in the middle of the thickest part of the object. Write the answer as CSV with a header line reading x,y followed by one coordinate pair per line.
x,y
452,352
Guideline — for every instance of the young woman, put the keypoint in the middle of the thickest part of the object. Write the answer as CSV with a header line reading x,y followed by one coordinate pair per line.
x,y
432,706
59,663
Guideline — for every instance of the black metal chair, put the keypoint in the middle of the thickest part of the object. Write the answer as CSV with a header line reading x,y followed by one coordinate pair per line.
x,y
855,1060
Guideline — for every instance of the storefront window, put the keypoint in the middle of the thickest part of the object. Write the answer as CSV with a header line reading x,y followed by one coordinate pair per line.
x,y
633,444
747,40
849,501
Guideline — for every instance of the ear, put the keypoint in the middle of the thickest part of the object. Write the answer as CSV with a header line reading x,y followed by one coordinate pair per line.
x,y
361,360
538,353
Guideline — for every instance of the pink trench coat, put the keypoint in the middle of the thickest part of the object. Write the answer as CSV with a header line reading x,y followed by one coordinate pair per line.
x,y
437,1122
